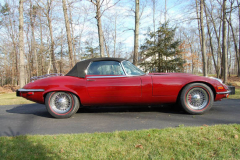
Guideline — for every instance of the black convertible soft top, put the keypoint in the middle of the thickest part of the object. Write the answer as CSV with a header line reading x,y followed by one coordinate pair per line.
x,y
79,69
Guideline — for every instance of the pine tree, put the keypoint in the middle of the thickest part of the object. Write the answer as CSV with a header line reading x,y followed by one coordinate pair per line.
x,y
91,52
161,52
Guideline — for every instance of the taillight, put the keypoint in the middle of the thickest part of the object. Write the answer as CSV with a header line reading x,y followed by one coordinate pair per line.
x,y
30,93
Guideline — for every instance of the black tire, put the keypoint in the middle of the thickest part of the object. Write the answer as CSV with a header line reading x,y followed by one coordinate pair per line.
x,y
196,98
62,104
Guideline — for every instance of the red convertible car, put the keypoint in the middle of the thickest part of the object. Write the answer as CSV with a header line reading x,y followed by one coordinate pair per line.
x,y
116,81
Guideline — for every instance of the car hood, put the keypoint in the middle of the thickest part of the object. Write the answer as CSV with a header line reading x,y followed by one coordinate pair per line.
x,y
184,76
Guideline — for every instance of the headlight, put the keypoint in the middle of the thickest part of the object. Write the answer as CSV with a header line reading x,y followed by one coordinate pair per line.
x,y
219,80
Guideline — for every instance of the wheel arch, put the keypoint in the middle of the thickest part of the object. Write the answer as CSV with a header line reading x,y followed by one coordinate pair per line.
x,y
62,90
206,83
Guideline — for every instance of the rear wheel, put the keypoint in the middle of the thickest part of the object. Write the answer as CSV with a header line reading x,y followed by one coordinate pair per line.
x,y
196,98
61,104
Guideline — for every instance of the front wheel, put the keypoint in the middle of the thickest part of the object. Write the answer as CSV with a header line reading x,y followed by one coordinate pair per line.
x,y
61,104
196,98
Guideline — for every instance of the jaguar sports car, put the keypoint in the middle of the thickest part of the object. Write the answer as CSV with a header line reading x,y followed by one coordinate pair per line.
x,y
116,81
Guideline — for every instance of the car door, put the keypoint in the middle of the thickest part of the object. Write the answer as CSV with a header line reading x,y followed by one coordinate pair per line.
x,y
113,86
106,81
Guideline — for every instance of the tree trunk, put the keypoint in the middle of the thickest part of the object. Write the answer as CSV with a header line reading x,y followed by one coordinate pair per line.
x,y
69,39
29,57
99,24
136,33
192,58
238,56
154,21
199,31
50,64
53,61
224,43
106,47
61,52
41,47
14,52
21,44
204,59
228,41
210,38
234,41
33,45
72,32
218,42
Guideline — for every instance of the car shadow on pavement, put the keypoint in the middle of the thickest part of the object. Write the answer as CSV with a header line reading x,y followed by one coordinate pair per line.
x,y
35,109
157,108
41,111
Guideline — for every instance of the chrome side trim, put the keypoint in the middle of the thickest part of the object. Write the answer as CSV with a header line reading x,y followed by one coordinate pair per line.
x,y
105,76
227,92
31,90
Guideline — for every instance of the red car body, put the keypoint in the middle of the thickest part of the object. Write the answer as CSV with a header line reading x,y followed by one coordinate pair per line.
x,y
147,89
155,88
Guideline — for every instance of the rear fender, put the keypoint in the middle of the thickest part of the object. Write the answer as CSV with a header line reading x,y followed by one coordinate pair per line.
x,y
60,90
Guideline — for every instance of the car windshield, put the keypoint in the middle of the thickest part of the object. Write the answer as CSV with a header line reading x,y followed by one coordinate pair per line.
x,y
131,69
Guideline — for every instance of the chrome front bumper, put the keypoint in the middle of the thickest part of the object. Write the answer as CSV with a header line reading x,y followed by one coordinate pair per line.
x,y
231,91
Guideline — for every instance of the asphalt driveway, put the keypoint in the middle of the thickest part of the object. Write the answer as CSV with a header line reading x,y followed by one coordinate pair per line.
x,y
34,118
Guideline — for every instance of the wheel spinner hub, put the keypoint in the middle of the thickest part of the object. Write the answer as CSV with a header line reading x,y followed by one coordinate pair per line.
x,y
61,103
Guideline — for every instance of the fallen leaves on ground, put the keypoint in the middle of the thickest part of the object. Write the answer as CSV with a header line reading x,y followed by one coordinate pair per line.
x,y
139,146
236,136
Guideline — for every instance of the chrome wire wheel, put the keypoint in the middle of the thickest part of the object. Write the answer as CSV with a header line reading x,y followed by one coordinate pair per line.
x,y
61,102
197,98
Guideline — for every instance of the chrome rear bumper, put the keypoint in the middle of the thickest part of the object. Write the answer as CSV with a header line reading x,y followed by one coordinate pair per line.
x,y
28,90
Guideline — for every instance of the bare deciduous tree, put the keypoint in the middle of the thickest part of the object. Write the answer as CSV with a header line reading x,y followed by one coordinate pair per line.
x,y
21,44
97,4
210,38
33,41
69,38
48,15
224,42
204,58
136,33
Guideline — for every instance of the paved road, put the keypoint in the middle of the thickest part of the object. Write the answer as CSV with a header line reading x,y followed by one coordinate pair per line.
x,y
34,119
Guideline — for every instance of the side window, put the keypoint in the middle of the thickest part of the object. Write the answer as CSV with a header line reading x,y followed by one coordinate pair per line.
x,y
105,68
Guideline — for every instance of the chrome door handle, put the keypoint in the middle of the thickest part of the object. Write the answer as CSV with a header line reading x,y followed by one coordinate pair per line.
x,y
90,80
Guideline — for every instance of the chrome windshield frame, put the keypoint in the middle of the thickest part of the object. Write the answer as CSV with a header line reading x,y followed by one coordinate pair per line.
x,y
128,74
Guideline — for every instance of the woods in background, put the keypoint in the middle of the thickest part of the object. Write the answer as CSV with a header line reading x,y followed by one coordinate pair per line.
x,y
49,36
